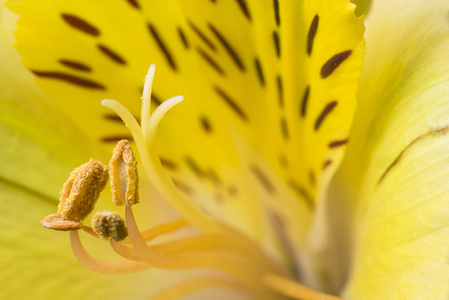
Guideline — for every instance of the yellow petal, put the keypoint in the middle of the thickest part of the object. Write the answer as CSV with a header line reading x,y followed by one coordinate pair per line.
x,y
15,80
283,75
397,160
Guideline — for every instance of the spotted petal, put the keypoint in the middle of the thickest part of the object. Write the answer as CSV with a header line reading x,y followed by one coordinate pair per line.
x,y
281,74
398,159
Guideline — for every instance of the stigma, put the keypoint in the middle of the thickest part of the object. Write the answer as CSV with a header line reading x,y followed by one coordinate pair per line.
x,y
236,262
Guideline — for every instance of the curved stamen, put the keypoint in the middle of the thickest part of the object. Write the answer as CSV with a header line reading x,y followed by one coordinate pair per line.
x,y
125,251
103,266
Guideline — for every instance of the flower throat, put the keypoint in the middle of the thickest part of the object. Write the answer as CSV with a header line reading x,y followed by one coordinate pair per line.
x,y
236,262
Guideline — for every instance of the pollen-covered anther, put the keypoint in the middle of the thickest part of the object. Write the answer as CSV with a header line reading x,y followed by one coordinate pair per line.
x,y
124,177
109,225
81,191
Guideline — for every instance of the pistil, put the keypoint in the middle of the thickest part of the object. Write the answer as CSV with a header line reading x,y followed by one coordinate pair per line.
x,y
156,173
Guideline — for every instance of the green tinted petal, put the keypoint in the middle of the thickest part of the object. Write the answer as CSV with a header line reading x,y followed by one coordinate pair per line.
x,y
36,155
402,241
31,143
397,161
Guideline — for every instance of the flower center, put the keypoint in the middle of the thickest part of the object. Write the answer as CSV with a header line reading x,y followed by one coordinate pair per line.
x,y
236,262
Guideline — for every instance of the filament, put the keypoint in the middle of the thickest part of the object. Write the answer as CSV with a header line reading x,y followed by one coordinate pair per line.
x,y
90,231
103,266
125,251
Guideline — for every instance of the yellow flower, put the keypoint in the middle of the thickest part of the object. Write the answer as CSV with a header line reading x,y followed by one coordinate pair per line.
x,y
348,201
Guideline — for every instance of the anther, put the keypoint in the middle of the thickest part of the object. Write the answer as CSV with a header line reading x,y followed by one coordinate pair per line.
x,y
109,225
78,196
124,177
82,190
56,222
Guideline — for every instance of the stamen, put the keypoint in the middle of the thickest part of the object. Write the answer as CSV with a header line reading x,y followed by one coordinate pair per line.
x,y
109,225
123,174
197,284
103,266
294,289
